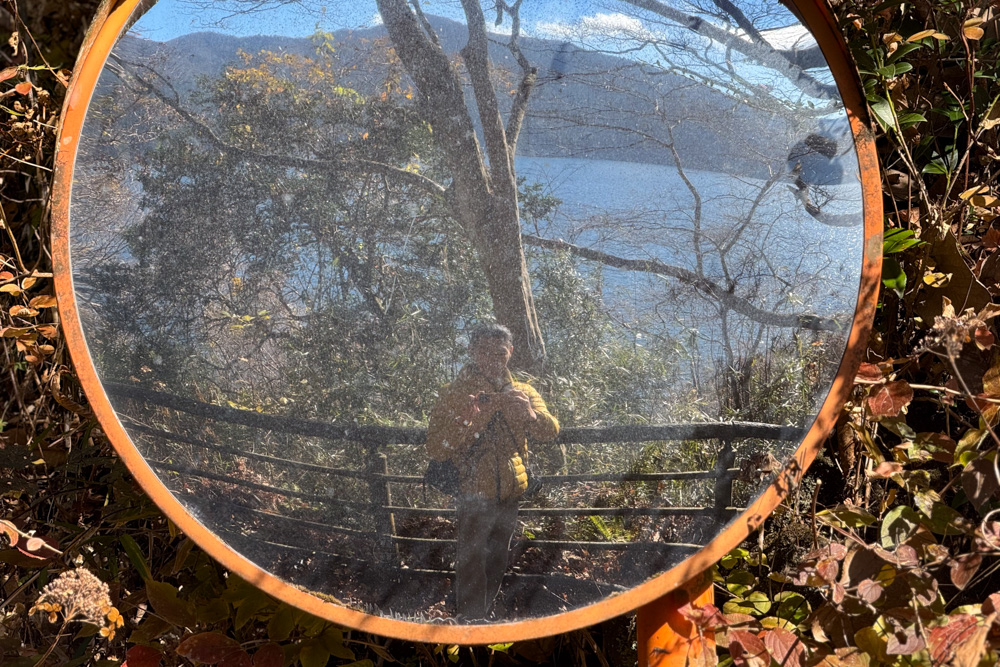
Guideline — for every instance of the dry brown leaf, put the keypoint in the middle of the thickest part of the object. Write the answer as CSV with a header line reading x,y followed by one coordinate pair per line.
x,y
991,239
43,301
22,311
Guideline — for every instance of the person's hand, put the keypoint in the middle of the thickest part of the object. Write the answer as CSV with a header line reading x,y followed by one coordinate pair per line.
x,y
469,412
517,406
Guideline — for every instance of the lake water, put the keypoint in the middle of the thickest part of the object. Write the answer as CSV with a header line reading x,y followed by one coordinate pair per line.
x,y
647,211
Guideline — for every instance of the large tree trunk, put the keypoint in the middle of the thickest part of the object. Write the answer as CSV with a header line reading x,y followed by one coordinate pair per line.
x,y
483,200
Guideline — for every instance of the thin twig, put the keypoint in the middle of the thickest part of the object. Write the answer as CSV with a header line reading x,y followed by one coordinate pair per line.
x,y
815,530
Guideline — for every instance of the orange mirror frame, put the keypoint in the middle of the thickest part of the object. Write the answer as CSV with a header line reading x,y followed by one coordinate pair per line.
x,y
111,21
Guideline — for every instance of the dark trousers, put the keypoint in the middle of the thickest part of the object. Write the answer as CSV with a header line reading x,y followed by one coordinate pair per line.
x,y
485,528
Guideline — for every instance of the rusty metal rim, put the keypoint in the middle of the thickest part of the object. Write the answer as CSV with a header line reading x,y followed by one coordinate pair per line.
x,y
112,18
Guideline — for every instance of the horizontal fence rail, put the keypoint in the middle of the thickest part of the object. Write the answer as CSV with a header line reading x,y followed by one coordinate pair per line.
x,y
402,435
381,529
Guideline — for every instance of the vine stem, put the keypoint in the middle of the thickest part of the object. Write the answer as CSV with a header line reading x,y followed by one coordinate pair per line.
x,y
989,427
52,647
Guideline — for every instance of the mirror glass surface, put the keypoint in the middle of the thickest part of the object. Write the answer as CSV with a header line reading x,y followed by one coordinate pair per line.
x,y
288,218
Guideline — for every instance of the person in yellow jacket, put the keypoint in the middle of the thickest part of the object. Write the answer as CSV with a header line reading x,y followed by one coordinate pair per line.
x,y
482,422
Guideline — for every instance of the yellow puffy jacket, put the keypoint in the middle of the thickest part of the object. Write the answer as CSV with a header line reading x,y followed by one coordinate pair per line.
x,y
491,463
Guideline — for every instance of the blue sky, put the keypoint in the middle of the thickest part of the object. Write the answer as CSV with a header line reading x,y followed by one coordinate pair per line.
x,y
611,26
171,18
543,18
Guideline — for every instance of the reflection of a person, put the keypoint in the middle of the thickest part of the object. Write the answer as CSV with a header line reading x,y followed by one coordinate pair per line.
x,y
813,162
481,423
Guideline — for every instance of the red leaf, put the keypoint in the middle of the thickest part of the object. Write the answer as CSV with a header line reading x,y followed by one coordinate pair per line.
x,y
704,618
991,239
962,569
142,656
747,649
784,647
237,659
23,88
984,338
828,570
869,590
981,402
945,640
868,374
207,647
269,655
886,469
992,604
904,642
35,547
890,399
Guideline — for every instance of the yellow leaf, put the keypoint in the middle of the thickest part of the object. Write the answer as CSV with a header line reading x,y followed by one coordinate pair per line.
x,y
11,288
43,301
984,201
920,35
14,332
937,279
971,28
977,190
22,311
28,282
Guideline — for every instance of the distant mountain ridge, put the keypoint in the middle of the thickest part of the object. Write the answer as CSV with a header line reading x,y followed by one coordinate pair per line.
x,y
586,104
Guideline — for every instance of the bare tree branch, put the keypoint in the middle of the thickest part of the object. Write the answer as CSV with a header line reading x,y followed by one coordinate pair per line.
x,y
761,52
529,76
703,285
476,54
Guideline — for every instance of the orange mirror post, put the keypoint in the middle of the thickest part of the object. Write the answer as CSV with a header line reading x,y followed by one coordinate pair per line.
x,y
666,636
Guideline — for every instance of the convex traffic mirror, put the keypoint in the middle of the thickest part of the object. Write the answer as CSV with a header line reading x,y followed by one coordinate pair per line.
x,y
602,267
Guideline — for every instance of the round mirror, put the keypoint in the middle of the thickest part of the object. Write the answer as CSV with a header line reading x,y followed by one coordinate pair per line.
x,y
466,321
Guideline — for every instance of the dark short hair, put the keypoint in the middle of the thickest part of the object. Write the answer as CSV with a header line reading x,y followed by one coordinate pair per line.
x,y
490,330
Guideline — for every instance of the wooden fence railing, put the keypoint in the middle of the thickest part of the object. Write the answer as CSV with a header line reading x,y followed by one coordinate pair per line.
x,y
380,530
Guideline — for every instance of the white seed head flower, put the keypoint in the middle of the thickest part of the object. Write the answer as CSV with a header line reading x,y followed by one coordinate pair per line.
x,y
80,596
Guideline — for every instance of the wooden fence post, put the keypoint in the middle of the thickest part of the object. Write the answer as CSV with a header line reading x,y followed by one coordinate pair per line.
x,y
377,465
724,480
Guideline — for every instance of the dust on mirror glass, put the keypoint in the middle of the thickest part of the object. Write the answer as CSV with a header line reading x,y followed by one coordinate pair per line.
x,y
453,311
